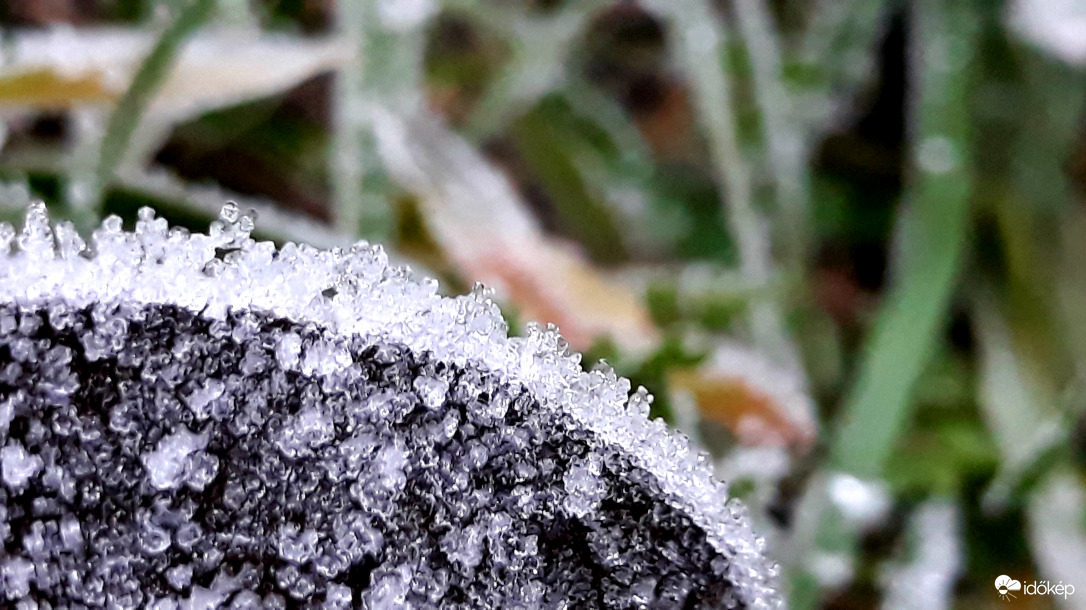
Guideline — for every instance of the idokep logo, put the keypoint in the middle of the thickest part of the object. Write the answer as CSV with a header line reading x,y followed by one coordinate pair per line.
x,y
1006,586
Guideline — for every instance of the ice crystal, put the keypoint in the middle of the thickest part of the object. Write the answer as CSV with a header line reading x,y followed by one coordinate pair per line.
x,y
205,421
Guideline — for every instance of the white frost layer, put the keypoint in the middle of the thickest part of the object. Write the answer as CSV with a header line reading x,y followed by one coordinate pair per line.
x,y
226,270
926,581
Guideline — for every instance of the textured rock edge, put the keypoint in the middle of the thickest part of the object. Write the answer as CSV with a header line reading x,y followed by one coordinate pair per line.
x,y
356,291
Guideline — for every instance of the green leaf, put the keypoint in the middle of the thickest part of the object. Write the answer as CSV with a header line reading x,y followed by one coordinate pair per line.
x,y
150,76
933,227
548,143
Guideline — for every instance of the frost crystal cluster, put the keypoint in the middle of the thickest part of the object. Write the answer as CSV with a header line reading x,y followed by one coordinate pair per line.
x,y
202,421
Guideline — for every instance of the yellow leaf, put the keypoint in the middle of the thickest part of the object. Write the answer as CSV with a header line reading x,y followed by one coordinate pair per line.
x,y
760,403
63,67
482,224
46,89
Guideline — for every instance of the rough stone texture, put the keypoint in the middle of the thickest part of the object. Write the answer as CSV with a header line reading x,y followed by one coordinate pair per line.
x,y
175,432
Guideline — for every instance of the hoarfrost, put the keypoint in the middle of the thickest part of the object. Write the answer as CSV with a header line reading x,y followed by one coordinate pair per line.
x,y
167,465
927,578
17,466
198,413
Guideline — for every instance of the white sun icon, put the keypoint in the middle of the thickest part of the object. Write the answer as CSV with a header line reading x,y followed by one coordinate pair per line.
x,y
1005,584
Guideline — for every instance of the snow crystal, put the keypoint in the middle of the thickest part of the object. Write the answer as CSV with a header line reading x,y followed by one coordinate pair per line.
x,y
585,487
167,464
71,536
218,430
17,466
431,391
15,575
200,399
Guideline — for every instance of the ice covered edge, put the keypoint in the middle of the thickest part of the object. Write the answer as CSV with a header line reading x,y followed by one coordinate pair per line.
x,y
356,291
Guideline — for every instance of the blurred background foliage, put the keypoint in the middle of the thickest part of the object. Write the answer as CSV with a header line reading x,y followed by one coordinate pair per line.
x,y
842,241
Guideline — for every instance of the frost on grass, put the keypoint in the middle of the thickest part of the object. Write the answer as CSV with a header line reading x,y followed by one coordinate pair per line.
x,y
196,421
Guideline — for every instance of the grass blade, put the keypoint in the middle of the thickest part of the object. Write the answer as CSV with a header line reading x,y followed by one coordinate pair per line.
x,y
387,73
838,52
1018,403
1057,532
927,578
701,46
933,235
540,50
130,108
785,145
933,232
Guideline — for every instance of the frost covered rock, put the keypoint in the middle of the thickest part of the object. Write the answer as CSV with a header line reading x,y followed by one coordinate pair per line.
x,y
201,421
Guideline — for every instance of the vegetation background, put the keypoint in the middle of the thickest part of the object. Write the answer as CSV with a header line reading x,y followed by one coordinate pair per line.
x,y
843,242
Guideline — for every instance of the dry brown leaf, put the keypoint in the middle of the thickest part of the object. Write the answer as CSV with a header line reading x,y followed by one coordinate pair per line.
x,y
554,284
757,401
46,89
63,67
481,223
